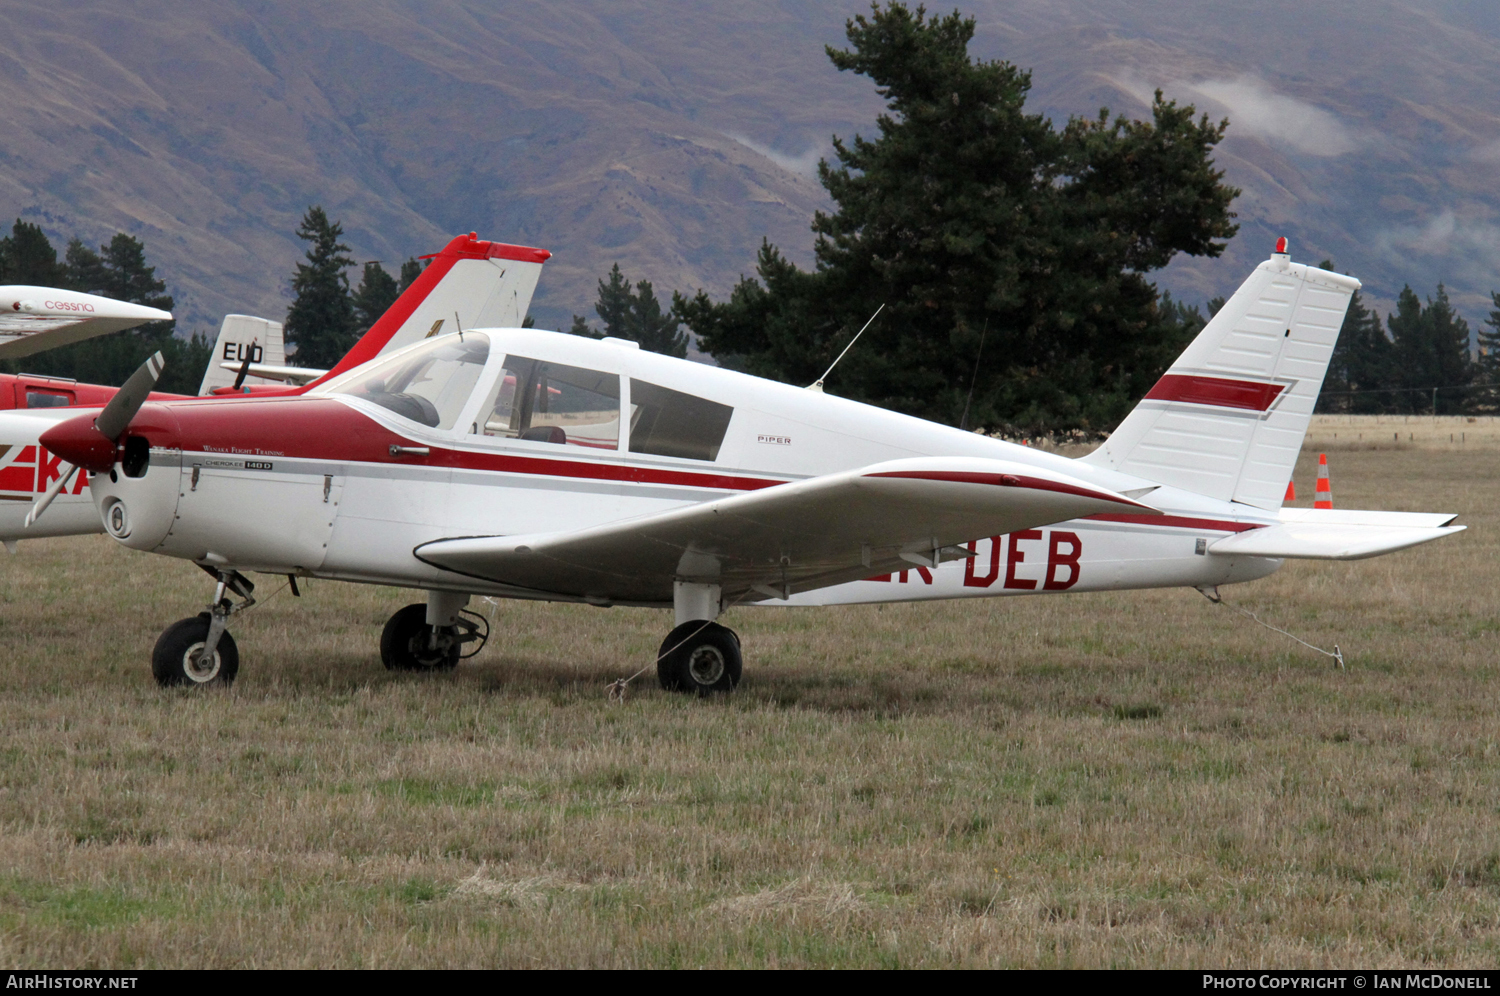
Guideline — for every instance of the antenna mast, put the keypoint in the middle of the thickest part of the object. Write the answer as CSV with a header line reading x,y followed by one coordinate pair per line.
x,y
817,385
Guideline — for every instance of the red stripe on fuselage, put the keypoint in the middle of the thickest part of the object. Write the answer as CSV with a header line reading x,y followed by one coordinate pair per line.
x,y
1220,392
325,429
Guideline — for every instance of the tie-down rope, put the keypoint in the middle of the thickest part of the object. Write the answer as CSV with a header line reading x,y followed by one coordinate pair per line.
x,y
618,686
1212,594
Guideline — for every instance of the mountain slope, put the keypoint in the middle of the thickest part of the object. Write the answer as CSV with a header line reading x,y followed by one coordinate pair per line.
x,y
672,138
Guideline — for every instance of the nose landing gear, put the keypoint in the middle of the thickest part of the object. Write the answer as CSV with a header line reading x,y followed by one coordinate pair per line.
x,y
199,651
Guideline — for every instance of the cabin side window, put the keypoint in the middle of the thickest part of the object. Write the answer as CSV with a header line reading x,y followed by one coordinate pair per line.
x,y
554,403
670,423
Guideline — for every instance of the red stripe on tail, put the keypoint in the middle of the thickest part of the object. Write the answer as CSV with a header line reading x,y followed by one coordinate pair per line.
x,y
1221,392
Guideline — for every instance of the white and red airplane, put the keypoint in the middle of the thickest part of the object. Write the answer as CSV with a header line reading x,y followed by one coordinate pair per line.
x,y
469,281
528,464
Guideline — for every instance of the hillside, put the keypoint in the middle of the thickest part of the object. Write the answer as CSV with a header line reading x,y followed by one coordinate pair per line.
x,y
673,139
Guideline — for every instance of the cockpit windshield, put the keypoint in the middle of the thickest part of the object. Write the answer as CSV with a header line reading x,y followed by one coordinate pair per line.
x,y
429,385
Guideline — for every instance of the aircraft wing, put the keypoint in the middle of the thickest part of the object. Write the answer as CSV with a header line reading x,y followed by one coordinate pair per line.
x,y
33,319
787,538
1338,534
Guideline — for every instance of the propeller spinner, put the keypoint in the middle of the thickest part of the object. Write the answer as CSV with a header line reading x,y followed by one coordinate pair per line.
x,y
93,442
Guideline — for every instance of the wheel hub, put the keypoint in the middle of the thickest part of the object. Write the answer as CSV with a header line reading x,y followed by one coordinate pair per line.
x,y
426,654
706,665
197,670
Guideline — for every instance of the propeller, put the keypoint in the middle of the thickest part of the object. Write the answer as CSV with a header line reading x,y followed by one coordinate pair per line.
x,y
239,379
95,447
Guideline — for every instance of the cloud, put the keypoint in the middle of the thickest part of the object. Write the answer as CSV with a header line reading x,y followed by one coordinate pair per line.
x,y
1487,153
802,164
1256,108
1462,245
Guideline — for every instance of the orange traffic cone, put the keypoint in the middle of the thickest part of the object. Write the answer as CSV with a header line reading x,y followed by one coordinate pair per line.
x,y
1291,491
1323,498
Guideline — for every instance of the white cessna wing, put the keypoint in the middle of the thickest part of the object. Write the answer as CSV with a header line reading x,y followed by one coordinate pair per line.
x,y
33,319
790,537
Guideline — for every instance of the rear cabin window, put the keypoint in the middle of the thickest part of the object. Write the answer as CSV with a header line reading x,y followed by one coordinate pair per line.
x,y
554,403
664,422
47,399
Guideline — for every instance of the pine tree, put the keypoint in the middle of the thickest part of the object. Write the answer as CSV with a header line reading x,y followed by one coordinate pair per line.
x,y
1488,364
637,316
1430,350
1452,362
1362,369
613,306
1370,361
375,295
1408,345
85,267
583,328
27,257
654,329
126,275
410,271
968,216
320,322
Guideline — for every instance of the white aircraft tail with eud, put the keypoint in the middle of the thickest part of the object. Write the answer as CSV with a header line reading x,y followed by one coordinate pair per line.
x,y
244,339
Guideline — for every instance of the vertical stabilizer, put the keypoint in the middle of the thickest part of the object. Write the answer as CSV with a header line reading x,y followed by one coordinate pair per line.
x,y
470,284
1227,420
243,337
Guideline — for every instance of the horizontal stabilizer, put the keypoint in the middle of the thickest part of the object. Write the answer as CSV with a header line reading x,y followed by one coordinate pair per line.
x,y
1364,517
1315,540
33,319
788,538
286,375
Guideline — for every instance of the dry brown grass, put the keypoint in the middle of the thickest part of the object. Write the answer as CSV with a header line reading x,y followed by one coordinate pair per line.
x,y
1122,779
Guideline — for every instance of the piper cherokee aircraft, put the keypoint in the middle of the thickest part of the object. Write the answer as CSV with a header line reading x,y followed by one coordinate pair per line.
x,y
529,464
470,280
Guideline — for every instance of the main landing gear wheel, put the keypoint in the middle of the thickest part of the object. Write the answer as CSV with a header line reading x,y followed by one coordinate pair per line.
x,y
407,643
178,657
699,657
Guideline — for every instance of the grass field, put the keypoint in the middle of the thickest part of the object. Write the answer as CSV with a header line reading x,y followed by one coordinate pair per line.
x,y
1134,779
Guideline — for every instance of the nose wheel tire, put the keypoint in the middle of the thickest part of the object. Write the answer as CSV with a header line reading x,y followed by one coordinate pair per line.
x,y
177,658
699,658
406,644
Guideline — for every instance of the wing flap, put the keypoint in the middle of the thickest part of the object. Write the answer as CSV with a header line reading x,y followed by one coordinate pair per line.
x,y
1328,541
789,538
